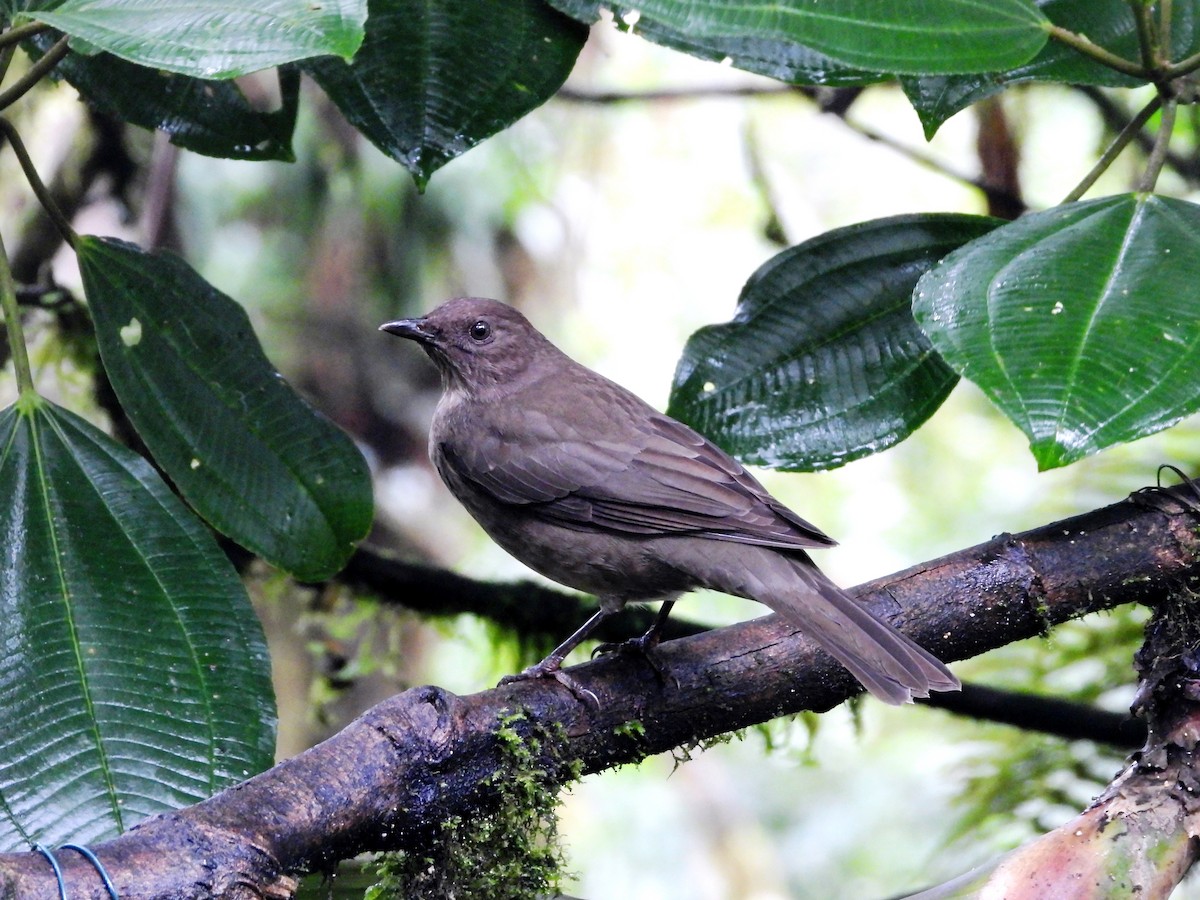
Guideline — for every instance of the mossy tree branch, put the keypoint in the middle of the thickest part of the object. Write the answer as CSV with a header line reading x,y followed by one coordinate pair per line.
x,y
1138,837
411,762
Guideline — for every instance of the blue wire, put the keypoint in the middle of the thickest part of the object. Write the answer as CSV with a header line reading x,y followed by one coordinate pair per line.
x,y
97,865
86,854
62,885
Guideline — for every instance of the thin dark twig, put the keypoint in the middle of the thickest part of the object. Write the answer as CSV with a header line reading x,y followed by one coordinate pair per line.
x,y
760,180
710,92
1131,130
814,94
35,74
1116,118
21,32
48,297
35,182
930,163
1050,715
1159,154
533,611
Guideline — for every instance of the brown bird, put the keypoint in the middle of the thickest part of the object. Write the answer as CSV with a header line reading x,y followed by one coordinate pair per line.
x,y
589,485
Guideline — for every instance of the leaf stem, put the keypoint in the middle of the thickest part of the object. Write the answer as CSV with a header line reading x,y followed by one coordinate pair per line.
x,y
1128,133
1083,45
1164,30
1148,38
1158,154
39,188
22,85
16,333
1185,66
21,32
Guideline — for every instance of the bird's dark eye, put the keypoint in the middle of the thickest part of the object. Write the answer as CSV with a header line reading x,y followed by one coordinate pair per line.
x,y
480,331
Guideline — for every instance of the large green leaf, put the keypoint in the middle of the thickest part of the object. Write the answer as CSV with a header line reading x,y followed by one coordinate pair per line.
x,y
209,117
823,362
134,677
433,79
782,60
213,38
1108,23
244,449
918,36
1081,322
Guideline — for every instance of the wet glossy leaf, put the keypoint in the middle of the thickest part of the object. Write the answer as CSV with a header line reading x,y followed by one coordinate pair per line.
x,y
433,79
823,362
1080,322
1108,23
134,676
209,117
213,38
785,61
243,448
919,36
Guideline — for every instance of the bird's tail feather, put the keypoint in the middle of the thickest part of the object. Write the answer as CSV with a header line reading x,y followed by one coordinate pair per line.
x,y
890,665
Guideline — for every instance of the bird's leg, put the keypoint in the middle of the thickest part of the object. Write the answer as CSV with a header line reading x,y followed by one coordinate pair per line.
x,y
645,643
551,666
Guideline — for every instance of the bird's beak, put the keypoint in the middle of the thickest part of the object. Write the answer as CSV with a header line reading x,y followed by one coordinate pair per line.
x,y
414,329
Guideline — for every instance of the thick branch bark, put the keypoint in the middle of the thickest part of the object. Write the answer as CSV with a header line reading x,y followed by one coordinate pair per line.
x,y
389,778
542,615
1139,837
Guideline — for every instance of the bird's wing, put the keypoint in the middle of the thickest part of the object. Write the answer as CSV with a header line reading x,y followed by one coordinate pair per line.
x,y
665,480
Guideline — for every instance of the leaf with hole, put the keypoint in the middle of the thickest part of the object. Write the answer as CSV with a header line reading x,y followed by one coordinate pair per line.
x,y
243,448
1080,322
823,362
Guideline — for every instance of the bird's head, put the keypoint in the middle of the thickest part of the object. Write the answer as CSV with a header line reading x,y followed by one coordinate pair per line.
x,y
475,342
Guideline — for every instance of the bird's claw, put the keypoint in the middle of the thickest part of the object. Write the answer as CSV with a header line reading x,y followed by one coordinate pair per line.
x,y
638,646
641,645
552,668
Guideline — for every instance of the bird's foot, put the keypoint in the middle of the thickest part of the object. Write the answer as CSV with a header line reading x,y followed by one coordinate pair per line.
x,y
551,667
641,647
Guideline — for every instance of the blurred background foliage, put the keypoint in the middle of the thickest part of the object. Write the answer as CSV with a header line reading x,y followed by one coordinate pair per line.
x,y
621,216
